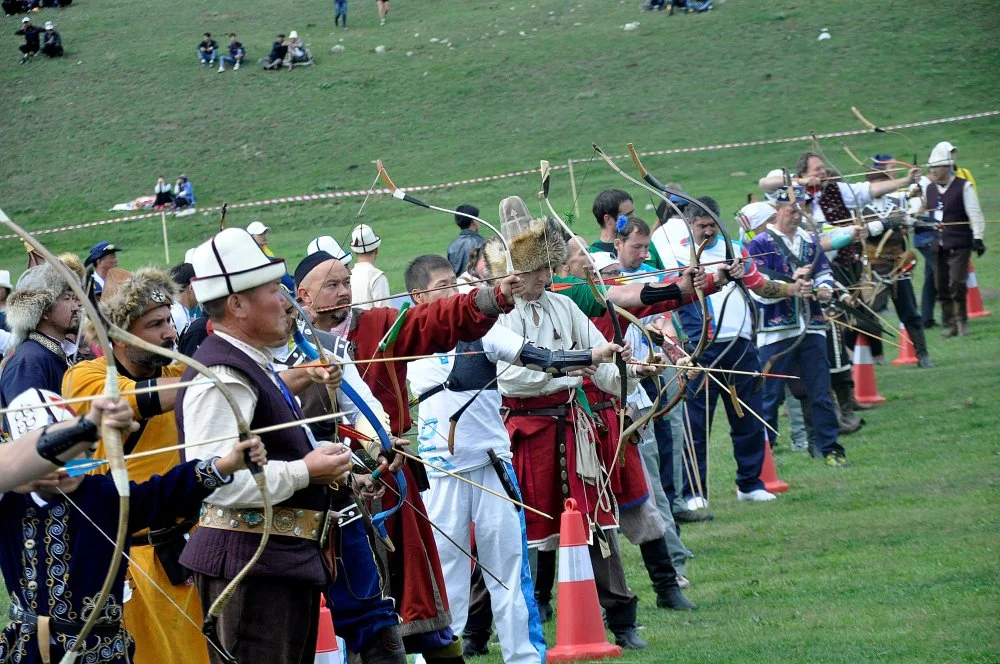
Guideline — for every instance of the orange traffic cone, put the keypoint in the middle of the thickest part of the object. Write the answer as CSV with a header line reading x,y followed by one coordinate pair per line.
x,y
863,372
907,354
973,300
768,472
327,651
579,626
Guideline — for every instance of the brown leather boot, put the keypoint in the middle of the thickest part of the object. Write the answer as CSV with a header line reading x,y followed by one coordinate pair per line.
x,y
949,320
961,319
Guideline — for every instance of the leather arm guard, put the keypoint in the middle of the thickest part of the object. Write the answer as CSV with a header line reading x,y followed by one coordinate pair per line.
x,y
650,295
555,362
53,443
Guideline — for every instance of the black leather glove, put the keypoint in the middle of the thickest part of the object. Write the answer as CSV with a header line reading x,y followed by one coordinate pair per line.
x,y
979,247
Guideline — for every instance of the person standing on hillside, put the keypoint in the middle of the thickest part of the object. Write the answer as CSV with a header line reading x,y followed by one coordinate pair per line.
x,y
467,240
952,200
340,13
258,231
368,283
383,10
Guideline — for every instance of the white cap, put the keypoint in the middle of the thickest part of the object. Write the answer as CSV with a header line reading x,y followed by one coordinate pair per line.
x,y
25,20
943,154
231,262
49,25
753,215
364,240
5,280
293,35
330,246
257,228
604,259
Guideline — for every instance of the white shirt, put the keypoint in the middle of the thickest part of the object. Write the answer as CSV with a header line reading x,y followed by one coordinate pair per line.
x,y
480,428
368,283
207,415
738,319
856,196
640,347
561,325
969,198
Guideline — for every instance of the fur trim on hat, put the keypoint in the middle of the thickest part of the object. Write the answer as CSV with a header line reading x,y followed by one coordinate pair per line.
x,y
25,309
36,291
73,262
135,295
540,245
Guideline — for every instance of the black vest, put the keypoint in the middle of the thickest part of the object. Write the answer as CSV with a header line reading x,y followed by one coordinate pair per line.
x,y
470,372
952,205
222,553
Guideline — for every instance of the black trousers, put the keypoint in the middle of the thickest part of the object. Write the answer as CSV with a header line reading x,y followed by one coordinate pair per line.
x,y
904,300
266,621
928,296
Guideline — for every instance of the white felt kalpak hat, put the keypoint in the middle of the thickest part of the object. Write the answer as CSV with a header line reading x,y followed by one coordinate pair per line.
x,y
604,259
229,263
330,246
364,240
943,154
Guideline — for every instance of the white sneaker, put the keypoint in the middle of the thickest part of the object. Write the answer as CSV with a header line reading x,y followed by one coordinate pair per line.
x,y
236,67
204,62
755,496
221,69
697,503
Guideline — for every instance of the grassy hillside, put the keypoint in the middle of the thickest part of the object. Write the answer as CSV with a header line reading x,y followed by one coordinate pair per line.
x,y
130,102
893,559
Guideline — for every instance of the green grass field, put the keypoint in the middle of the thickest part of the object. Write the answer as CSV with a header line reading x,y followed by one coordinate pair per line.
x,y
893,559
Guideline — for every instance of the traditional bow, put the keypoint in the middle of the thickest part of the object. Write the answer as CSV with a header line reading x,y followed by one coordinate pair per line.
x,y
601,295
695,255
110,436
318,353
730,258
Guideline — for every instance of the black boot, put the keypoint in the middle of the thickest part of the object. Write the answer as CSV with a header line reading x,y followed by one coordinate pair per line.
x,y
386,647
919,346
545,576
621,622
663,576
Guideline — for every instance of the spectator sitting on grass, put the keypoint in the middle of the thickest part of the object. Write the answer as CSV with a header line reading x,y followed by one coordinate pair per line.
x,y
183,193
208,49
236,54
274,60
11,7
51,41
297,54
32,39
164,197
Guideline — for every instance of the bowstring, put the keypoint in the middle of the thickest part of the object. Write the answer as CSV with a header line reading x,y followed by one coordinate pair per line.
x,y
134,565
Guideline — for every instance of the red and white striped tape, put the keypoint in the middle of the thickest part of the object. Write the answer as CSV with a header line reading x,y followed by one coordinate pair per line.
x,y
360,193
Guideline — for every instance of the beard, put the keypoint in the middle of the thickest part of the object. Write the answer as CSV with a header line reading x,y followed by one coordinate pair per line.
x,y
148,359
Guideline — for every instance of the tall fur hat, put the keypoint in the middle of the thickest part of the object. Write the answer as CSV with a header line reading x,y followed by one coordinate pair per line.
x,y
128,297
37,290
534,243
